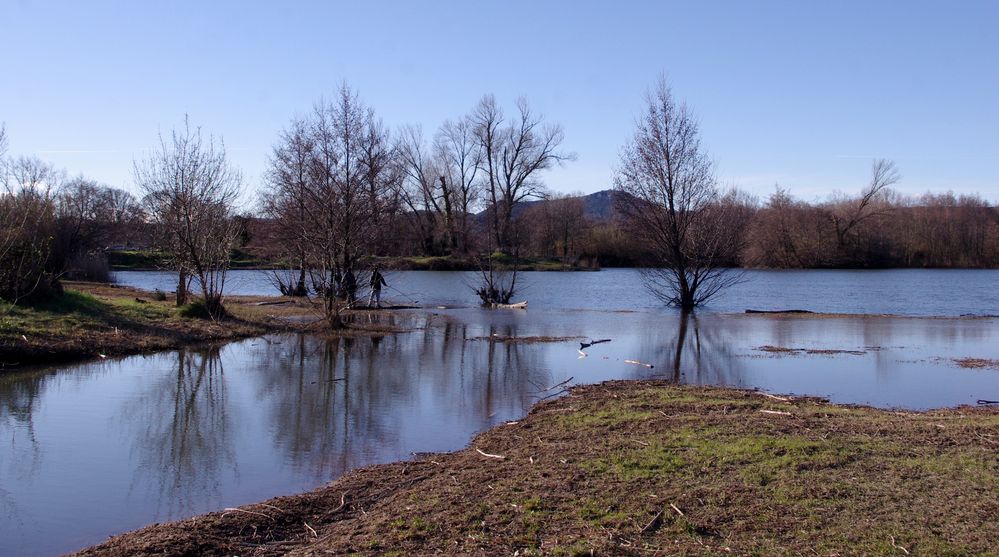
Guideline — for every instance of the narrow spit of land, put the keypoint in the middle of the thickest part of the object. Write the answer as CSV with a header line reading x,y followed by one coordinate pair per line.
x,y
93,320
646,468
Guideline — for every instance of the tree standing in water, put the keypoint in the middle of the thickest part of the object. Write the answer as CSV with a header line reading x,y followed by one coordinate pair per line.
x,y
674,204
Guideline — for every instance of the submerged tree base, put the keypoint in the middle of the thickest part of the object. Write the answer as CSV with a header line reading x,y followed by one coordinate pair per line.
x,y
637,468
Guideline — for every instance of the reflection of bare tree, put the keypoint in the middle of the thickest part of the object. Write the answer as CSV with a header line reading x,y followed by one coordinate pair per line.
x,y
697,350
22,453
339,403
186,441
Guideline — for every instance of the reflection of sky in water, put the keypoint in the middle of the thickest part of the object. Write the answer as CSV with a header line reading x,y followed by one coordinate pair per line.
x,y
99,448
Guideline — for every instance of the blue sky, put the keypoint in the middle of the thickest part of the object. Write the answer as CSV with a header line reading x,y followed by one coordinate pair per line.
x,y
802,94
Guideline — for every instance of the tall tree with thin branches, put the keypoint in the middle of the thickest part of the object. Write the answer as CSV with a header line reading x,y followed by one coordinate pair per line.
x,y
674,204
330,182
191,191
512,157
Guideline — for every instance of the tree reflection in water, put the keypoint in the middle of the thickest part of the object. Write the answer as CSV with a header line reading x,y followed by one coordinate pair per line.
x,y
339,403
185,444
695,350
22,453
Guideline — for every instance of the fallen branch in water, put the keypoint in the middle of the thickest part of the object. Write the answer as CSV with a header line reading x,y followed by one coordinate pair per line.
x,y
636,362
555,386
583,345
983,401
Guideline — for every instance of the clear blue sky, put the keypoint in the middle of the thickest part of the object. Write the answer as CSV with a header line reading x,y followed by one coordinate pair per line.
x,y
799,93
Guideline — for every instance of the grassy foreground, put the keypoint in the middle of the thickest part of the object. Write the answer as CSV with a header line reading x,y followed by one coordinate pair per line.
x,y
97,320
646,468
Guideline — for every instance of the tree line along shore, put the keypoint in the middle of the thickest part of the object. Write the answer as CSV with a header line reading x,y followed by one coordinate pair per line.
x,y
344,193
640,468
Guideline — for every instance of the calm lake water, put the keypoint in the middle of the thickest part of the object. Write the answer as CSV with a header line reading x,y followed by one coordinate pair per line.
x,y
99,448
935,292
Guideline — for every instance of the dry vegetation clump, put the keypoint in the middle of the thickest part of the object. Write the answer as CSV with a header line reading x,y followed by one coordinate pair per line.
x,y
977,363
640,468
541,339
810,351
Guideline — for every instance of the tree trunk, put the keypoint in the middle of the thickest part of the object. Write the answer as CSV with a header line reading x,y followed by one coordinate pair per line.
x,y
181,288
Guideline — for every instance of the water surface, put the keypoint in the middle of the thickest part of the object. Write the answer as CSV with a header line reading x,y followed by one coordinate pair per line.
x,y
100,448
925,292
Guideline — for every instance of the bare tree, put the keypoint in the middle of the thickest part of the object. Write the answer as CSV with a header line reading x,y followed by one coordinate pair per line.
x,y
27,213
512,157
380,177
289,177
459,157
190,191
423,193
847,215
331,177
88,217
674,203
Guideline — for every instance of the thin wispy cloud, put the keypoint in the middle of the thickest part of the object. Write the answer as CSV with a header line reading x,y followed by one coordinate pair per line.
x,y
79,151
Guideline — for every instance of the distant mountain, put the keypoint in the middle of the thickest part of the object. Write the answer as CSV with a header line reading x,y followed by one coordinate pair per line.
x,y
598,206
602,204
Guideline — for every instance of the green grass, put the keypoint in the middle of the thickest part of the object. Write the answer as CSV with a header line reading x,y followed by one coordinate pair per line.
x,y
77,311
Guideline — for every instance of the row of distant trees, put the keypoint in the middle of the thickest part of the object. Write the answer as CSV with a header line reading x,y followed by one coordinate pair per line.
x,y
342,188
52,226
886,230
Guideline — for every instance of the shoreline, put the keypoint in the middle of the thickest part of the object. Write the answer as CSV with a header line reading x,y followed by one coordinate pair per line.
x,y
96,321
639,467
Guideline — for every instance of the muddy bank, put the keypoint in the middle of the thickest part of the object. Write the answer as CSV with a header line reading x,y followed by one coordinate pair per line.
x,y
641,468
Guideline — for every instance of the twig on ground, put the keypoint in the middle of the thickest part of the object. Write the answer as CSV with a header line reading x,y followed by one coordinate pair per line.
x,y
776,412
775,397
311,529
485,454
678,511
896,546
655,520
234,509
555,394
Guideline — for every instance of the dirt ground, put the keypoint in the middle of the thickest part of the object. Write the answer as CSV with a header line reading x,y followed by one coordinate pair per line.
x,y
646,468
